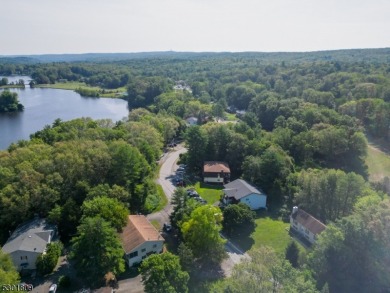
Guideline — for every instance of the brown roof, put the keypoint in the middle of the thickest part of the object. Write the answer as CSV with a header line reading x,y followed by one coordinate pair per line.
x,y
308,221
137,231
215,167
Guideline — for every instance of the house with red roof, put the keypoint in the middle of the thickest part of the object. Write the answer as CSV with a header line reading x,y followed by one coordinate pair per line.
x,y
306,225
140,239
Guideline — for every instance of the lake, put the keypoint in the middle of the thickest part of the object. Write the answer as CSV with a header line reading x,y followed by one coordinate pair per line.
x,y
42,106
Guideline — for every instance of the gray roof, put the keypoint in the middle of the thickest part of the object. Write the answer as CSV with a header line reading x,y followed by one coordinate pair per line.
x,y
31,236
240,188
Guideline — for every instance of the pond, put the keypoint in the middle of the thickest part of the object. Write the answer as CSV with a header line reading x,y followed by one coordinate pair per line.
x,y
42,106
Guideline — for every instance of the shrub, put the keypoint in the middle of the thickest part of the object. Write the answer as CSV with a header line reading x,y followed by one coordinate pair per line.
x,y
64,281
47,262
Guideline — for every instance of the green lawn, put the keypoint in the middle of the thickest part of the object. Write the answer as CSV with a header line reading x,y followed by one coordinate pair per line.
x,y
156,224
230,116
114,93
269,232
378,163
211,193
163,199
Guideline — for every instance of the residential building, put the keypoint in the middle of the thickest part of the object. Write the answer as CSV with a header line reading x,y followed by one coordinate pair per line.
x,y
216,172
140,239
28,241
241,191
306,225
192,121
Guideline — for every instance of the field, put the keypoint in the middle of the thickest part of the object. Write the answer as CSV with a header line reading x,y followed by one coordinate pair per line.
x,y
211,193
269,232
378,163
114,93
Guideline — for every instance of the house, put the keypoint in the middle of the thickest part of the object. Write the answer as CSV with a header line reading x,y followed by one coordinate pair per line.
x,y
216,172
241,191
28,241
305,224
140,239
192,121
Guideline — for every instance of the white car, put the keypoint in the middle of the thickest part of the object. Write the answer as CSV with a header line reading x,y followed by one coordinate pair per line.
x,y
53,288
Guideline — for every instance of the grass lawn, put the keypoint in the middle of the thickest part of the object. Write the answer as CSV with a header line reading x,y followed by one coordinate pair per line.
x,y
163,199
378,163
270,232
211,193
156,224
230,116
114,93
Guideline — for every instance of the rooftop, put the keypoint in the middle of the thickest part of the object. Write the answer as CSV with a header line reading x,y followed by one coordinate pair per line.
x,y
308,221
215,167
31,236
240,188
137,231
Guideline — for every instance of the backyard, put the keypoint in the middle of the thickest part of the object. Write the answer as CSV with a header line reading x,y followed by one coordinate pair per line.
x,y
211,193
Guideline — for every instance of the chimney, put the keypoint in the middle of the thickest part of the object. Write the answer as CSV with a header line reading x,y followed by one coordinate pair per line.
x,y
295,210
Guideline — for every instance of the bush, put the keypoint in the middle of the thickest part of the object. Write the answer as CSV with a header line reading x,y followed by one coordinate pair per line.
x,y
47,262
64,281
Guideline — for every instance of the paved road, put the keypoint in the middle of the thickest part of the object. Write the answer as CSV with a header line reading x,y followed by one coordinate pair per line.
x,y
165,179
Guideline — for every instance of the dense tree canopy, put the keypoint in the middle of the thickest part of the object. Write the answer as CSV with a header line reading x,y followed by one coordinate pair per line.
x,y
162,273
8,273
201,234
9,102
97,250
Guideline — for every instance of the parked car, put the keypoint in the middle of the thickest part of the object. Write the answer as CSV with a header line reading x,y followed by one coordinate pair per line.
x,y
180,169
53,288
167,227
192,193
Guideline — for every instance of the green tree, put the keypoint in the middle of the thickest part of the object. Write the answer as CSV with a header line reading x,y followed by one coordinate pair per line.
x,y
196,139
265,272
97,250
329,194
109,209
162,273
201,234
8,273
238,219
47,262
9,102
292,254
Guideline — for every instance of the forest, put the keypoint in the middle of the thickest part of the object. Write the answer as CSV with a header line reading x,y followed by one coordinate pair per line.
x,y
294,124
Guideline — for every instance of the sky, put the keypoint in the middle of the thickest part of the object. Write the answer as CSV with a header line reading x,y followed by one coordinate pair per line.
x,y
113,26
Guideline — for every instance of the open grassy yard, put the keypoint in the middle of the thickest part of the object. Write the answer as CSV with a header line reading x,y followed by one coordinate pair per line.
x,y
211,193
378,163
269,232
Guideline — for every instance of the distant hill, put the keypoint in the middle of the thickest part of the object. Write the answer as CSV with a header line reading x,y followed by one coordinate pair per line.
x,y
352,55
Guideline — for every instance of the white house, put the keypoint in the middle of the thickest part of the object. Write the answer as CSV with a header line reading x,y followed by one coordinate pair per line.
x,y
28,241
192,121
216,172
241,191
140,239
305,224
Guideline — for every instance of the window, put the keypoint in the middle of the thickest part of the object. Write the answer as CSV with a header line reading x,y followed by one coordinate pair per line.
x,y
23,257
154,245
133,254
143,250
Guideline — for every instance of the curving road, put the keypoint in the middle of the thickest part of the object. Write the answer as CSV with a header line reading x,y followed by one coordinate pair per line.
x,y
165,179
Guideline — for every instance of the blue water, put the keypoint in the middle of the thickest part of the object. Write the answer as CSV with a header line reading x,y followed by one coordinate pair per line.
x,y
43,106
